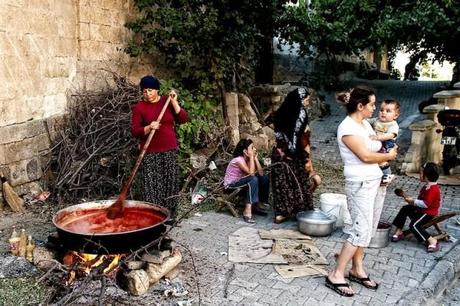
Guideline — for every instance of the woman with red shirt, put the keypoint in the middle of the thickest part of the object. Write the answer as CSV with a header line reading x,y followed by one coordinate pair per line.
x,y
160,175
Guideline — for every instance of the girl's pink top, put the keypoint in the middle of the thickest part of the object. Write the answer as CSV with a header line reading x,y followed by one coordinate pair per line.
x,y
233,172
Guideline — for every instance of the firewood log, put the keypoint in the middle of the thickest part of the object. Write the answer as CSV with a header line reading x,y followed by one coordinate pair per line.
x,y
138,282
157,271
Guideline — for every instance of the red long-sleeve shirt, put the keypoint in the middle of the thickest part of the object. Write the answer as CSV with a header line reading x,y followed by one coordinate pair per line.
x,y
431,195
165,137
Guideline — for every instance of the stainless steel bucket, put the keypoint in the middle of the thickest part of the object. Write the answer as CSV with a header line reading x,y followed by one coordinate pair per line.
x,y
380,240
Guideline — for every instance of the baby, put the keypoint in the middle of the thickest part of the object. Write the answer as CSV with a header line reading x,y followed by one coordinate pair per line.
x,y
387,129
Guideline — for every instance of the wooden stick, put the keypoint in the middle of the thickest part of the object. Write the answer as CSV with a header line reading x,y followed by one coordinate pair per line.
x,y
116,209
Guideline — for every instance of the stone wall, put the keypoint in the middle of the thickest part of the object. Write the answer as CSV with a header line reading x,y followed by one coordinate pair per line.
x,y
48,49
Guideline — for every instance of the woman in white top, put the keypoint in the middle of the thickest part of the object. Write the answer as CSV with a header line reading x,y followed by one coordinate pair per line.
x,y
365,196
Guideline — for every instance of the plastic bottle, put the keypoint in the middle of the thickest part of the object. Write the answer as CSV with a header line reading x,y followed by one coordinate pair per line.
x,y
30,249
22,243
14,242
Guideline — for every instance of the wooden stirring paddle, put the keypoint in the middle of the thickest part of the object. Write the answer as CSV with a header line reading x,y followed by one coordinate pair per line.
x,y
116,209
400,193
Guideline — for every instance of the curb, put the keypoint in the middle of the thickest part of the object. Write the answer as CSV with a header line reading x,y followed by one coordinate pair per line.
x,y
436,281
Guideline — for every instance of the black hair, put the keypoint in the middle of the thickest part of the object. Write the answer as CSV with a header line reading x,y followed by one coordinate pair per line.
x,y
395,103
351,99
431,171
242,145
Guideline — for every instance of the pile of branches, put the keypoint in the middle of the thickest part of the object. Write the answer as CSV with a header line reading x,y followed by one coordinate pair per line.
x,y
94,149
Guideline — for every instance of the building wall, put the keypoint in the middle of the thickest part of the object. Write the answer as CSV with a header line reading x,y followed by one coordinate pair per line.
x,y
49,48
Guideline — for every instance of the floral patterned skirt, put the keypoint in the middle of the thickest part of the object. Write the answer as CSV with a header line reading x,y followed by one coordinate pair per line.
x,y
290,185
160,179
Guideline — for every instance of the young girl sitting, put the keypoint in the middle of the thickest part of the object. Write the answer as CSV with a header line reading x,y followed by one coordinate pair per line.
x,y
422,209
244,170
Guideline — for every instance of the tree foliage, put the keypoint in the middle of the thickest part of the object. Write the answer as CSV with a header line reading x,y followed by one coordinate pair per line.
x,y
209,44
348,27
216,44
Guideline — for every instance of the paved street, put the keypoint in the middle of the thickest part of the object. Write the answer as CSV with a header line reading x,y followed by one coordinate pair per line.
x,y
401,268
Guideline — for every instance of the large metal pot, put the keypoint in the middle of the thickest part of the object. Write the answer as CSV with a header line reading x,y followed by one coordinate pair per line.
x,y
316,223
85,227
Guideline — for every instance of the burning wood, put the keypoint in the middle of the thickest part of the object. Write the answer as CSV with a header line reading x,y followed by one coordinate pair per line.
x,y
81,264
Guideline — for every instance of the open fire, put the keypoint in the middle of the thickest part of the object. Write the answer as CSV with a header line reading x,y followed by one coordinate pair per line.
x,y
82,264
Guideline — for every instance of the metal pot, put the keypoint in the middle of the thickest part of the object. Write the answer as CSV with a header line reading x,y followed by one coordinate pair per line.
x,y
85,227
316,223
380,239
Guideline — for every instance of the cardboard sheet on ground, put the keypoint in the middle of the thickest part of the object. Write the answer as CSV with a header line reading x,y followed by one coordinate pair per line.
x,y
304,258
245,245
299,252
282,233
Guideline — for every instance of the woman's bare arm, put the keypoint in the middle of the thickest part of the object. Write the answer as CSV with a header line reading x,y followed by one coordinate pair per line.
x,y
357,146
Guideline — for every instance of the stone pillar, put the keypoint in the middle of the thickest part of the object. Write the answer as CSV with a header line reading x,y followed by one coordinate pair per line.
x,y
449,98
231,105
434,147
417,153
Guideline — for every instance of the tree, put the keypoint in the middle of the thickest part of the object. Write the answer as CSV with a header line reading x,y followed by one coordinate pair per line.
x,y
336,27
209,44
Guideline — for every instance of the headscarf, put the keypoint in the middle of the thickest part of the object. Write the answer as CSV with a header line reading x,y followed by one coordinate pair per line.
x,y
291,118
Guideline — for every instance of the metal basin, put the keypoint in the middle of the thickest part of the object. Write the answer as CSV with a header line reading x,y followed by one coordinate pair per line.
x,y
316,223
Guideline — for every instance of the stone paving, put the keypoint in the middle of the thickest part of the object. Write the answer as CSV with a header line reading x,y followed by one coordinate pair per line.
x,y
400,268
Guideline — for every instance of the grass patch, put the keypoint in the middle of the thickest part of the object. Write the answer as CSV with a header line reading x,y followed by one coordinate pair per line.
x,y
21,291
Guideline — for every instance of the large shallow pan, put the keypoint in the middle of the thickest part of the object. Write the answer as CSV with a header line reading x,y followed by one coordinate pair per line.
x,y
85,227
316,223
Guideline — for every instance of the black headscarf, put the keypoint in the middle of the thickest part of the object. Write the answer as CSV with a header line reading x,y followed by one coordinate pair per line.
x,y
291,118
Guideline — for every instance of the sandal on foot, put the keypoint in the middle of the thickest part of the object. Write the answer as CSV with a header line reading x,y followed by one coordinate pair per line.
x,y
433,248
249,219
396,238
280,219
362,281
336,287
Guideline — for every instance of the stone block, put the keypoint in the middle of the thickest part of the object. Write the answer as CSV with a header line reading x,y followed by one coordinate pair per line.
x,y
96,50
65,50
2,154
100,15
25,171
56,69
83,31
54,105
18,132
100,32
447,94
27,148
422,125
29,188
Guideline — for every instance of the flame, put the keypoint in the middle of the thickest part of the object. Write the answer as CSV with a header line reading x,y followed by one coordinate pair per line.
x,y
83,263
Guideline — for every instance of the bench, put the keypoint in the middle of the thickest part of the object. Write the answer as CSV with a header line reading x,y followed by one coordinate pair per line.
x,y
436,222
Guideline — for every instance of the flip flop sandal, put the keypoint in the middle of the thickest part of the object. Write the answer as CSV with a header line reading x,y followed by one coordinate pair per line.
x,y
362,281
336,287
396,238
249,219
433,248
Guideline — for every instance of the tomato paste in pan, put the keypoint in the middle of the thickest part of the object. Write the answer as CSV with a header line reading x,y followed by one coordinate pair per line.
x,y
95,221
